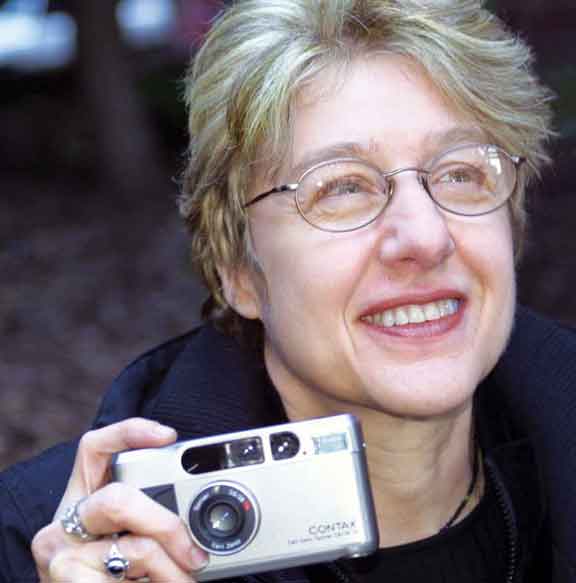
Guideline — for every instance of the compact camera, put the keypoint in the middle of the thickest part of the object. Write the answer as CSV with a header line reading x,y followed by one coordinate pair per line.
x,y
268,498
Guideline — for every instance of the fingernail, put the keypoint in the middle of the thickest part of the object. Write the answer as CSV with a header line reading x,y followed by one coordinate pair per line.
x,y
199,558
164,431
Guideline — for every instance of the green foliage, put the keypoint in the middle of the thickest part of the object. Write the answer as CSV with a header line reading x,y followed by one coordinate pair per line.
x,y
563,80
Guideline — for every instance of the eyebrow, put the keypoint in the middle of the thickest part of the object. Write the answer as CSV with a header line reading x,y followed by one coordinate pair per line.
x,y
454,136
432,143
338,150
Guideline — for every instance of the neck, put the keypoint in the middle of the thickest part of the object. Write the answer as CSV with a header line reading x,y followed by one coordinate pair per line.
x,y
420,472
420,469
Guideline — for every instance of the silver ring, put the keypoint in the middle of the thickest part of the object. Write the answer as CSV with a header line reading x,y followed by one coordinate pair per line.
x,y
115,563
72,524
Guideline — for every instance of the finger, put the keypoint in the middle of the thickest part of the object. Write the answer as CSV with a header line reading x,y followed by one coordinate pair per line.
x,y
96,448
45,546
146,558
118,507
149,559
91,470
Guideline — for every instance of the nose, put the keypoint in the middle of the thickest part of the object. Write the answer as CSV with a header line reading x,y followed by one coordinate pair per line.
x,y
414,230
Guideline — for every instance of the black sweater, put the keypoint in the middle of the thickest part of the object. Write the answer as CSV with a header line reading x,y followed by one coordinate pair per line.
x,y
204,383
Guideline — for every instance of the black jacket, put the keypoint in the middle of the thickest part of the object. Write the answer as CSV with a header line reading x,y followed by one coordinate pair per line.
x,y
203,384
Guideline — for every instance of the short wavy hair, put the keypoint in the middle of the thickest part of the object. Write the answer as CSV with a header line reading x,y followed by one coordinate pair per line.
x,y
259,54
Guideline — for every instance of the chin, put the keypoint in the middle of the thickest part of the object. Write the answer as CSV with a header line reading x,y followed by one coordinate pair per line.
x,y
425,394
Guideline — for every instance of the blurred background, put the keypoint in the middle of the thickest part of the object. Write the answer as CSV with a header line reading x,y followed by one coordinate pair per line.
x,y
93,259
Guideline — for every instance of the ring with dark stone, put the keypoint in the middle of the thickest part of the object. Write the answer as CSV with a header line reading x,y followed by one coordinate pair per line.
x,y
116,564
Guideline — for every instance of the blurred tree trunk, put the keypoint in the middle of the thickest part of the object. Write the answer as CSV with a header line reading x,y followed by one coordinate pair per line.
x,y
129,157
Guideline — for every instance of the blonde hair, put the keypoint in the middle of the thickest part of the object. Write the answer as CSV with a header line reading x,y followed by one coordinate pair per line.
x,y
260,53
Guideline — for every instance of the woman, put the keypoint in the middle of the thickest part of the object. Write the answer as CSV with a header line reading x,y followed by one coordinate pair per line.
x,y
355,194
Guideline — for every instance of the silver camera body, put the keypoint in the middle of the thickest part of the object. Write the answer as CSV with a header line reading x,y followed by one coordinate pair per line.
x,y
265,499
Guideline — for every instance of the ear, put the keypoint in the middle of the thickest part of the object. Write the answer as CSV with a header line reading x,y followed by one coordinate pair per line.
x,y
240,289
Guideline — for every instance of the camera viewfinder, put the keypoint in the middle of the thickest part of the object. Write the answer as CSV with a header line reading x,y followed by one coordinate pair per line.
x,y
221,456
204,459
284,445
244,452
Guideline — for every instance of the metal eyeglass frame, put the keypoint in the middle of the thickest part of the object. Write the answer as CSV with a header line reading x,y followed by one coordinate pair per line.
x,y
423,174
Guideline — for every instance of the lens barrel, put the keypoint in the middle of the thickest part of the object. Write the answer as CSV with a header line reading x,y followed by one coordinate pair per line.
x,y
224,518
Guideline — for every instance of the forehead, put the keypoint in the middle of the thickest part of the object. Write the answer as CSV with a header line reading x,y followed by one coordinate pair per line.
x,y
383,107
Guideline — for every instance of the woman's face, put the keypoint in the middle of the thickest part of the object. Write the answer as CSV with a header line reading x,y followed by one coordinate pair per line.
x,y
323,297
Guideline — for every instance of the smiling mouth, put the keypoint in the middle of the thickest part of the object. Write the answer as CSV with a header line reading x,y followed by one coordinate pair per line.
x,y
414,313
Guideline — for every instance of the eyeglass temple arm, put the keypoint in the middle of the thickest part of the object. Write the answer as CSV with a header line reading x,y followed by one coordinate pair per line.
x,y
518,160
283,188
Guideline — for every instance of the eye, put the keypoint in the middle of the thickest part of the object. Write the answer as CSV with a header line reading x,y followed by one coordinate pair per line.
x,y
459,174
345,186
341,187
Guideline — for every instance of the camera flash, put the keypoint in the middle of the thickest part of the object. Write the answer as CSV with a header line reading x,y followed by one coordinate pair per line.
x,y
330,443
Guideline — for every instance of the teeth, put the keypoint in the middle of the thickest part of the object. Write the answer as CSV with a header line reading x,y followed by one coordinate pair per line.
x,y
388,318
414,314
432,311
401,317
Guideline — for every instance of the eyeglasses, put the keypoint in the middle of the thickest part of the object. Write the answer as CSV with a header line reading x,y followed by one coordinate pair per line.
x,y
346,194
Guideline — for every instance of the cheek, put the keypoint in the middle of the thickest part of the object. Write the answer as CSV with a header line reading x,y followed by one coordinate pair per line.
x,y
486,245
309,278
487,251
500,253
288,252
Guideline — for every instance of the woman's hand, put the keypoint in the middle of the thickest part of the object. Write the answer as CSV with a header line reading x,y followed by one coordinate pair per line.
x,y
158,545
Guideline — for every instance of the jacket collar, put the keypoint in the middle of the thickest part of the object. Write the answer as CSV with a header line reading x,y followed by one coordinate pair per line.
x,y
214,386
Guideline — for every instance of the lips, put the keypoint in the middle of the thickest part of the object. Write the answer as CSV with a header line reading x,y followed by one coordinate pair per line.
x,y
420,314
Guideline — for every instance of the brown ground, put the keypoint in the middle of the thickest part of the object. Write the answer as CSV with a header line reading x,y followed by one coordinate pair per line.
x,y
88,283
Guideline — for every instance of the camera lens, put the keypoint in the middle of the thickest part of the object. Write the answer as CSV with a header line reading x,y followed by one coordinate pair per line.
x,y
224,518
284,445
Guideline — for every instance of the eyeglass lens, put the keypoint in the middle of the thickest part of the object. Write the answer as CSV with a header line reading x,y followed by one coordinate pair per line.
x,y
347,194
